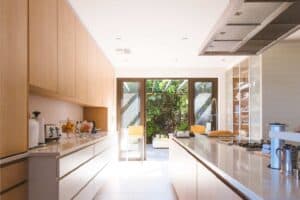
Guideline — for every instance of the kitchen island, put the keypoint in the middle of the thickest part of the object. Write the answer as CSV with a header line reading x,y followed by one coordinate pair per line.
x,y
203,168
72,168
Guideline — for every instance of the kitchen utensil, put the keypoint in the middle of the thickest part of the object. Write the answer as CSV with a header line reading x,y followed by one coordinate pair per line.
x,y
276,144
289,161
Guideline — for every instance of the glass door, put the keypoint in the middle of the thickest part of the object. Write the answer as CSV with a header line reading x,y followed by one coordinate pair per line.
x,y
204,102
130,112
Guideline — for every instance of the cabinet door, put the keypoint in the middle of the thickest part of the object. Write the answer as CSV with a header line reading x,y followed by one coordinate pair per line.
x,y
13,77
66,49
92,72
43,43
81,63
211,187
183,172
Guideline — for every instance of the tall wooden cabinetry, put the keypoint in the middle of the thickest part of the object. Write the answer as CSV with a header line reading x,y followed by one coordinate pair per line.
x,y
13,97
64,61
13,77
81,62
66,49
43,45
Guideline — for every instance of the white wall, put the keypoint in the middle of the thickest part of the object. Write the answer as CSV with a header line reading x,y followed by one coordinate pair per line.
x,y
183,73
281,85
53,110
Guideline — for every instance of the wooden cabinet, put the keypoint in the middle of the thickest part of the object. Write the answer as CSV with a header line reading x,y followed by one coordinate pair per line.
x,y
81,62
43,47
93,77
66,49
13,77
13,183
65,61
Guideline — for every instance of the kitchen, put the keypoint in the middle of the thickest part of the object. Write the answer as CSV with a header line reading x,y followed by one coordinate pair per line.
x,y
60,105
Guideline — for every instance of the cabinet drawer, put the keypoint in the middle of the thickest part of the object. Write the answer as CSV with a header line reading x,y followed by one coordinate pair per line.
x,y
69,162
101,146
18,193
74,182
13,174
94,186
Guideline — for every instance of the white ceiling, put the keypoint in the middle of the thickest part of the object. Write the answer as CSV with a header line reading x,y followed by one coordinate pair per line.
x,y
294,36
158,33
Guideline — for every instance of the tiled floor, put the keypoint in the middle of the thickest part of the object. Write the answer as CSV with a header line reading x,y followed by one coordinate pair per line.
x,y
156,154
136,180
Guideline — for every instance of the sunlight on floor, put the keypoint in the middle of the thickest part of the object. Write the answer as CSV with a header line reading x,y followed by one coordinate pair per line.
x,y
136,180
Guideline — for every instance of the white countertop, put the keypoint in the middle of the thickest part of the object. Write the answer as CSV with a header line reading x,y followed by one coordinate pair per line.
x,y
67,145
246,171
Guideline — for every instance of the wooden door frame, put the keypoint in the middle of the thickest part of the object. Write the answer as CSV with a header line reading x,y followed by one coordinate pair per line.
x,y
191,93
215,94
142,107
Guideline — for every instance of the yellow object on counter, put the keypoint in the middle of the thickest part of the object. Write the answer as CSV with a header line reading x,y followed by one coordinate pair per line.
x,y
220,133
198,129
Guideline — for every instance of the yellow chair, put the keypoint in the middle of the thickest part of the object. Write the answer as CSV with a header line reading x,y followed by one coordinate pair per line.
x,y
137,132
198,129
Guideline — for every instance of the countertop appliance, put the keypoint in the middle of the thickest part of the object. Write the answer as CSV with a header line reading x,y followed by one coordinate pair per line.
x,y
290,158
276,144
33,126
52,132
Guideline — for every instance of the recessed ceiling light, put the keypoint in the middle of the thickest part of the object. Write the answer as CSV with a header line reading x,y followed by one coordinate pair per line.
x,y
222,33
184,38
123,51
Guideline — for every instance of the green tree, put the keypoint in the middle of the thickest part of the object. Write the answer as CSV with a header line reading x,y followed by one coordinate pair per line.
x,y
166,106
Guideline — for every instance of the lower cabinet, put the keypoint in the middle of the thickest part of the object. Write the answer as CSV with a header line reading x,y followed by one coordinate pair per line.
x,y
192,180
78,175
13,180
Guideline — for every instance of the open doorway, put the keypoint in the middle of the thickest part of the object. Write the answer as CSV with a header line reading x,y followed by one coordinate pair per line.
x,y
166,110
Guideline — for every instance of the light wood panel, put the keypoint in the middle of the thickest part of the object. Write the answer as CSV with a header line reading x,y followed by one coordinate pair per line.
x,y
13,77
13,174
18,193
43,43
92,72
99,115
81,62
66,49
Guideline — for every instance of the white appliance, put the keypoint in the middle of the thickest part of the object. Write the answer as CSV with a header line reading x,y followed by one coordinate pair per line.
x,y
41,122
33,133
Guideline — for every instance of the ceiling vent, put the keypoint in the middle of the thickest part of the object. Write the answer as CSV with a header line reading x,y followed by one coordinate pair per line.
x,y
248,27
123,51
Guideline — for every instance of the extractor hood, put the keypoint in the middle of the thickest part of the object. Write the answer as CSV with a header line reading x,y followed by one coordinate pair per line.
x,y
248,27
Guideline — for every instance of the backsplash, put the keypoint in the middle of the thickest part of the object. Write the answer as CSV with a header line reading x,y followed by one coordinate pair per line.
x,y
53,110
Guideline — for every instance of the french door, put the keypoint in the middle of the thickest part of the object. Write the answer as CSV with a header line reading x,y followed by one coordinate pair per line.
x,y
204,102
130,111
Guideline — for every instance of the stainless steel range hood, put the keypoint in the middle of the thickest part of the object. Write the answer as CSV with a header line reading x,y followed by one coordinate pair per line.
x,y
248,27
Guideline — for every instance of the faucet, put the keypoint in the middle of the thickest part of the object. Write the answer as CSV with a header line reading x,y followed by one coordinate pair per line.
x,y
214,112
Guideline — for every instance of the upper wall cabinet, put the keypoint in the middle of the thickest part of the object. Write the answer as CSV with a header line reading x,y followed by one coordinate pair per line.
x,y
65,61
13,77
81,63
66,49
43,18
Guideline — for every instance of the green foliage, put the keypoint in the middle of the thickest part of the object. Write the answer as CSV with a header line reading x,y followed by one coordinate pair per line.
x,y
166,106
